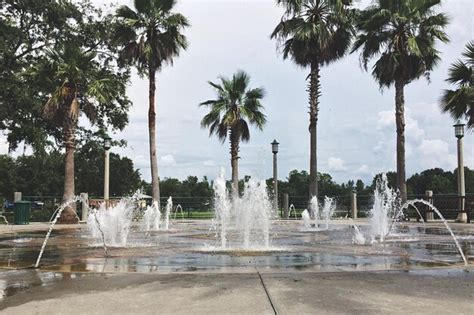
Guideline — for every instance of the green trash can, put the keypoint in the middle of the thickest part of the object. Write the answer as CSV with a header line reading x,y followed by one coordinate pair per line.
x,y
22,212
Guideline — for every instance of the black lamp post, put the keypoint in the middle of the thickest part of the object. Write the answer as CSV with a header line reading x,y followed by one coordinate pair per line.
x,y
107,146
275,175
459,133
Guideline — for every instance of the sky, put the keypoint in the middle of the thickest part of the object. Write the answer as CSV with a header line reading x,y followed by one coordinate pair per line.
x,y
356,127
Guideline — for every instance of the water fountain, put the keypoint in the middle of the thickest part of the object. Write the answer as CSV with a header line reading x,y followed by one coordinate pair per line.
x,y
325,213
114,223
387,212
384,211
178,208
151,218
246,217
59,211
169,206
328,210
413,202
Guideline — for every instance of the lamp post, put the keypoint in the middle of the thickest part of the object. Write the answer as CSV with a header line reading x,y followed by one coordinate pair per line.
x,y
459,133
107,146
275,175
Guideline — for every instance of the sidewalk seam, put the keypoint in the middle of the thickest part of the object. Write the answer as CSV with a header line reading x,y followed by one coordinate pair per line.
x,y
267,293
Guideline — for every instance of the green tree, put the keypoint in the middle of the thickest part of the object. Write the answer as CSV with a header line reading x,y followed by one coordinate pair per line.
x,y
150,36
7,177
403,33
83,84
298,183
27,29
436,179
40,174
230,114
314,33
460,102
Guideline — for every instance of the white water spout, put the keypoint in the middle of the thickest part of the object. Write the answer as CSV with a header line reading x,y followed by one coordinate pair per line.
x,y
385,210
151,218
114,222
248,217
169,206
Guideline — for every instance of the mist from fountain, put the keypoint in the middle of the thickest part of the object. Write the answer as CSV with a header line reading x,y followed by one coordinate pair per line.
x,y
248,216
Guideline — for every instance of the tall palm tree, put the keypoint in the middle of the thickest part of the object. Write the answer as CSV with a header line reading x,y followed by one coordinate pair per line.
x,y
81,85
150,36
230,114
314,33
460,102
403,33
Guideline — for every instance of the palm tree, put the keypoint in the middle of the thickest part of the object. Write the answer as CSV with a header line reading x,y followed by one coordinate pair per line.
x,y
403,34
230,114
314,33
150,36
82,85
460,102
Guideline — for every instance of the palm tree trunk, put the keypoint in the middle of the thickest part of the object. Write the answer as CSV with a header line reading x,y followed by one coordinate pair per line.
x,y
234,161
68,216
155,184
314,93
400,123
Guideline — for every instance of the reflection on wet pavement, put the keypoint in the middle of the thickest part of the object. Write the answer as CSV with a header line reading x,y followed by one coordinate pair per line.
x,y
191,246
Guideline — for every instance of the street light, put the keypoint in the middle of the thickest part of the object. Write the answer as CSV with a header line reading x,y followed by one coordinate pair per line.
x,y
275,175
107,146
459,133
275,146
459,130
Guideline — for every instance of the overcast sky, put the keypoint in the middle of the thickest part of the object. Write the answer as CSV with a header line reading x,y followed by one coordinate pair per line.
x,y
356,130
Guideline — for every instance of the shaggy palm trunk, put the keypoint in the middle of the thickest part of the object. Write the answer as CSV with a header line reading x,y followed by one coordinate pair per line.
x,y
314,93
400,123
68,216
155,184
234,161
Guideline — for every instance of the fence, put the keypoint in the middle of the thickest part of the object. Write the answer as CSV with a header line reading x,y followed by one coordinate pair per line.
x,y
43,207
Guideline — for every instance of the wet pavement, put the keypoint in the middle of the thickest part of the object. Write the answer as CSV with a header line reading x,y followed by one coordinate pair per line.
x,y
190,249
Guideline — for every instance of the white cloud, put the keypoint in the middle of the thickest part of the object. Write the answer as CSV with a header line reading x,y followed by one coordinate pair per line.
x,y
385,119
412,130
435,153
209,163
336,164
363,170
167,160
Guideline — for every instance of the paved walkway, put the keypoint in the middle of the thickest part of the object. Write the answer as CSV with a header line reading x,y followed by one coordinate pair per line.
x,y
440,291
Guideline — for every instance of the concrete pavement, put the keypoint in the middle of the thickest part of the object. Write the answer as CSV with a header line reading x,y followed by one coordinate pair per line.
x,y
436,291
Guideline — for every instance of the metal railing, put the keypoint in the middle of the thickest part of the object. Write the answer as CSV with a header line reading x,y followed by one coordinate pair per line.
x,y
202,207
